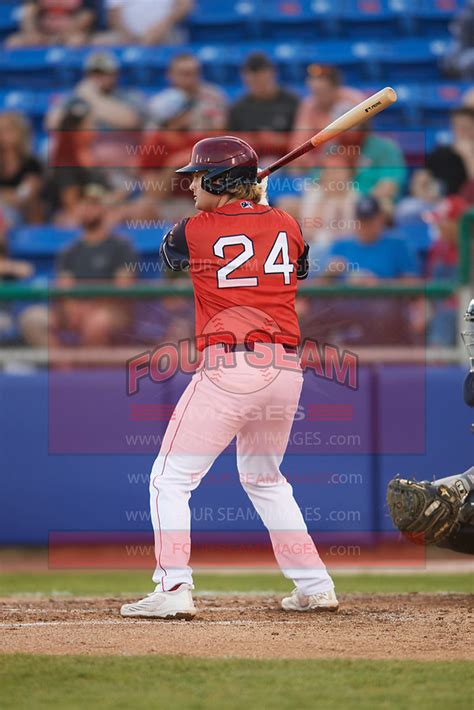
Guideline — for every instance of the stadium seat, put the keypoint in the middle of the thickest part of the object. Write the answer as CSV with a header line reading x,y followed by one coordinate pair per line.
x,y
432,17
302,19
32,103
40,245
358,62
36,68
413,59
9,16
418,236
147,244
437,100
376,19
217,20
146,241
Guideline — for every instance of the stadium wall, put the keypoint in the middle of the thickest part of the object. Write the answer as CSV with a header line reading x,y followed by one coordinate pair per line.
x,y
67,466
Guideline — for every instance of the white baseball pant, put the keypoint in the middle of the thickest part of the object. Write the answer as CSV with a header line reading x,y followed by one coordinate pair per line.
x,y
213,409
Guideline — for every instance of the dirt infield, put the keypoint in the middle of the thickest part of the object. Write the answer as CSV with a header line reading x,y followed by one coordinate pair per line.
x,y
416,626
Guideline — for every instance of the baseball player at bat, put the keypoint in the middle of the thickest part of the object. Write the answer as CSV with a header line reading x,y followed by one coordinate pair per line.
x,y
244,258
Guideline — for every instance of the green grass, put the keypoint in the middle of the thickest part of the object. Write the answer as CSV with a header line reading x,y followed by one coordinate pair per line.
x,y
192,684
131,582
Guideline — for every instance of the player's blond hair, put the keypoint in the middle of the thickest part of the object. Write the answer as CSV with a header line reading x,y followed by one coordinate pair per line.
x,y
254,193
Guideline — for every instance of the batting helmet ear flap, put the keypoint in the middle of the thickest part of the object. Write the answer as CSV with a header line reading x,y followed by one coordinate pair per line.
x,y
216,181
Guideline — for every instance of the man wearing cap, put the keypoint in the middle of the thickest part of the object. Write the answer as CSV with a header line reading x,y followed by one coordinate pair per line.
x,y
267,111
96,256
208,109
111,108
368,257
371,255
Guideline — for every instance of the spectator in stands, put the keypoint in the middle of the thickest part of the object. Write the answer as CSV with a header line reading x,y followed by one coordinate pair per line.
x,y
96,256
443,258
146,22
443,264
327,209
208,104
10,269
327,100
267,112
20,171
370,255
460,61
110,107
72,163
378,163
15,319
453,165
46,22
424,191
167,145
468,98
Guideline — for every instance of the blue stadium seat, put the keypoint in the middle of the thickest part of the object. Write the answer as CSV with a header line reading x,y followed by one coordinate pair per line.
x,y
37,68
432,17
357,61
39,241
146,241
40,244
302,19
9,17
412,59
218,20
417,234
376,19
435,137
32,103
147,244
437,100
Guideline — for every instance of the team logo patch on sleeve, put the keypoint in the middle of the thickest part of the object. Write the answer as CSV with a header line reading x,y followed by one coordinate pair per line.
x,y
246,205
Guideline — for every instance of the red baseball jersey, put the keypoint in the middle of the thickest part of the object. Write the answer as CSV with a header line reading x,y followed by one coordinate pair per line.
x,y
244,260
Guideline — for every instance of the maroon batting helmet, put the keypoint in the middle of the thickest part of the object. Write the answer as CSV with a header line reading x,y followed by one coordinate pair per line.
x,y
228,161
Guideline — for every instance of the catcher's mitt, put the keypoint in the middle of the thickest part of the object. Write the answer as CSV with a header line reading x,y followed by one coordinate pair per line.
x,y
425,512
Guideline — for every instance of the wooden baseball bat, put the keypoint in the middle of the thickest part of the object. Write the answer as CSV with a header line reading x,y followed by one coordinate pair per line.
x,y
362,112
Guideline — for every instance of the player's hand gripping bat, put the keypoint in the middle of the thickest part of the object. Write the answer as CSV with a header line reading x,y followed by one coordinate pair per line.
x,y
362,112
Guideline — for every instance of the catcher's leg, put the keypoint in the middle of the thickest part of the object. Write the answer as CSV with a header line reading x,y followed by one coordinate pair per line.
x,y
461,540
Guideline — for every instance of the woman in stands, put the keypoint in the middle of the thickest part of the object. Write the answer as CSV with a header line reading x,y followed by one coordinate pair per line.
x,y
20,171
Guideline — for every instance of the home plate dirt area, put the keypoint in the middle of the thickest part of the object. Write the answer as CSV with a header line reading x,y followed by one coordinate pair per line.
x,y
415,626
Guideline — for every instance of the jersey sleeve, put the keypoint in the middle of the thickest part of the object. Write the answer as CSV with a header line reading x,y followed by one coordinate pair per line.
x,y
174,248
302,264
302,269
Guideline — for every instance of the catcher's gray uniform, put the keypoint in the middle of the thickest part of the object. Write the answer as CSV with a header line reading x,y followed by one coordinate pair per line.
x,y
440,512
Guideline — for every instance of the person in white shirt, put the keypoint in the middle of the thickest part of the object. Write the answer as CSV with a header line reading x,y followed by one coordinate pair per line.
x,y
145,22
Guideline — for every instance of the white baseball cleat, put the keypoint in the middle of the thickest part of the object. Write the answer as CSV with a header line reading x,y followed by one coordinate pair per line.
x,y
324,601
163,605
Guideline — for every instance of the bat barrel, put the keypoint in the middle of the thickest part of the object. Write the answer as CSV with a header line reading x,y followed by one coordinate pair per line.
x,y
360,113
